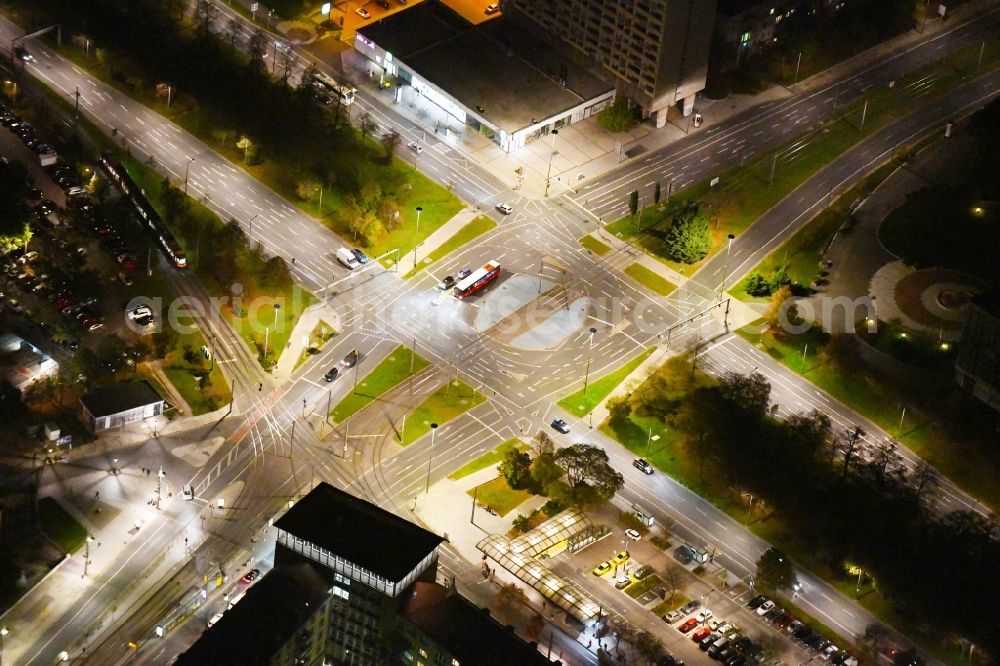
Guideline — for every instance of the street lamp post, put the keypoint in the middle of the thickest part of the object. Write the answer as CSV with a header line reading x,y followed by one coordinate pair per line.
x,y
250,230
186,168
725,275
548,174
430,457
416,236
114,466
590,346
3,632
86,562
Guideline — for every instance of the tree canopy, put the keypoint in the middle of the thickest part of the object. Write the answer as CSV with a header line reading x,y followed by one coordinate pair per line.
x,y
689,239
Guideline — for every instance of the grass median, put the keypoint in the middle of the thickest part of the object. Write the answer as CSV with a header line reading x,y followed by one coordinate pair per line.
x,y
445,404
466,234
582,403
321,334
488,459
59,526
650,279
497,495
389,373
594,245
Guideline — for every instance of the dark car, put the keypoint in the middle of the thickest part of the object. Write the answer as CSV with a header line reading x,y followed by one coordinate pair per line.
x,y
684,555
755,603
351,359
251,576
642,465
560,425
447,283
330,376
360,256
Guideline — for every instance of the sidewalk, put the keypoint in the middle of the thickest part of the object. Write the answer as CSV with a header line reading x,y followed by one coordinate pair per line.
x,y
438,237
299,338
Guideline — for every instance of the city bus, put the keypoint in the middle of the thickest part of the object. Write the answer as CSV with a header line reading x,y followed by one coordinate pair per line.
x,y
478,279
327,86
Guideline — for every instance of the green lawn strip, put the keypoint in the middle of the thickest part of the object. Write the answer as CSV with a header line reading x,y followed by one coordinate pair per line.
x,y
466,234
579,404
594,245
745,192
387,374
262,323
499,496
968,466
321,334
801,254
650,279
487,459
59,526
443,405
668,605
639,588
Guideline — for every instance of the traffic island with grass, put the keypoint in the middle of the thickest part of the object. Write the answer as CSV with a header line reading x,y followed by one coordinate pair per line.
x,y
465,235
488,459
321,334
650,279
445,404
594,245
583,402
394,369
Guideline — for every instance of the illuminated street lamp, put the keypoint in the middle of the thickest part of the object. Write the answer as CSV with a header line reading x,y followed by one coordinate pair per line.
x,y
416,237
430,457
186,168
552,153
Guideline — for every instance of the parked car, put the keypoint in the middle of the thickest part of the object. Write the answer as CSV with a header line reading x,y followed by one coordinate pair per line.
x,y
688,625
684,554
673,616
560,425
360,256
755,603
704,616
642,572
505,208
622,582
251,576
633,534
765,607
492,9
347,258
621,557
700,635
602,568
362,12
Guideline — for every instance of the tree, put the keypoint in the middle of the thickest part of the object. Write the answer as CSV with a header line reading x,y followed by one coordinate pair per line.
x,y
307,188
775,571
256,48
619,116
672,581
780,278
247,145
367,126
507,598
750,394
516,468
656,193
778,313
368,227
545,472
521,523
755,285
586,468
873,638
648,646
689,238
390,142
633,202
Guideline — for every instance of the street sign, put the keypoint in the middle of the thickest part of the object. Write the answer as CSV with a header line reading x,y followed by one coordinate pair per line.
x,y
253,6
941,10
325,9
713,182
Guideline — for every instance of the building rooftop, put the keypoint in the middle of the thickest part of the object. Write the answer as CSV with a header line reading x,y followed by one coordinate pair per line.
x,y
359,532
509,73
253,630
117,398
466,631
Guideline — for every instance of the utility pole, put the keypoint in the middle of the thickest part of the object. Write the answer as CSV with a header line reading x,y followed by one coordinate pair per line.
x,y
250,230
725,276
347,429
232,395
548,175
797,63
76,114
590,347
864,112
159,487
357,364
774,164
416,237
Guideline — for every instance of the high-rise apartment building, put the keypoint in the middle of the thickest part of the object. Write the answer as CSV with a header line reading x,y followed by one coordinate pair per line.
x,y
657,50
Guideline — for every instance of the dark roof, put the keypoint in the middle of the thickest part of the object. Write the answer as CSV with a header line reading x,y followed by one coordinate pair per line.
x,y
253,630
466,631
496,65
359,532
118,398
990,302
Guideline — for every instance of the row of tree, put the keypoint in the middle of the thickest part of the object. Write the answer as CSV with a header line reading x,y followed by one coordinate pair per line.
x,y
851,503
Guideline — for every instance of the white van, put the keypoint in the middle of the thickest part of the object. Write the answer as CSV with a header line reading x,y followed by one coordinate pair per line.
x,y
215,618
347,258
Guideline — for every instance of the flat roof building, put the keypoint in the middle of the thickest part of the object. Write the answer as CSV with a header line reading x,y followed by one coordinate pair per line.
x,y
23,364
120,404
494,77
977,368
655,50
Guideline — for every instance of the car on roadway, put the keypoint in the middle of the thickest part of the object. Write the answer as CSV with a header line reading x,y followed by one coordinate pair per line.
x,y
688,625
633,534
363,13
623,582
492,9
351,359
22,54
128,262
464,273
360,256
620,558
765,608
505,208
602,568
331,375
643,466
447,283
251,576
560,425
415,147
141,311
755,603
187,492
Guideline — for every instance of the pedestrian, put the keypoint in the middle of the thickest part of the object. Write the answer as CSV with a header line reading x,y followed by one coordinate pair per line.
x,y
260,387
293,261
97,494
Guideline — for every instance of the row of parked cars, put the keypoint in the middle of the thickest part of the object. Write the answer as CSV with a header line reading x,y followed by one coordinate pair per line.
x,y
769,611
24,131
718,638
